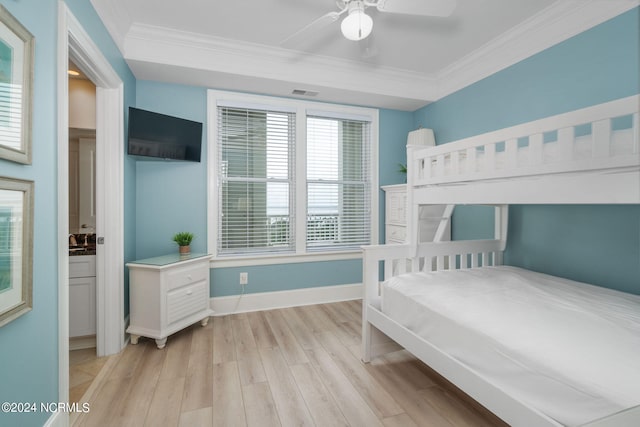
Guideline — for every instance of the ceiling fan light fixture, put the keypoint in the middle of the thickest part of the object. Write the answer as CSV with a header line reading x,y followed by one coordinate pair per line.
x,y
357,25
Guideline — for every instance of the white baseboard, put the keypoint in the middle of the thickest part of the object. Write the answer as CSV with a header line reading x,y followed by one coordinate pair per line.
x,y
281,299
80,343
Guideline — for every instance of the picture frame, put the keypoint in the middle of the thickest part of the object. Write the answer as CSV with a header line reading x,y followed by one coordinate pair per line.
x,y
16,81
16,248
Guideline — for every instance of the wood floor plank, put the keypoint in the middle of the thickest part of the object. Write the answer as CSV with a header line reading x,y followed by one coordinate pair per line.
x,y
349,333
403,364
259,406
107,402
406,395
243,336
311,321
223,345
356,306
228,403
347,310
351,403
247,355
198,392
166,403
337,315
300,330
323,408
196,418
458,414
402,420
261,331
129,359
143,384
287,342
383,404
286,396
251,370
319,318
178,350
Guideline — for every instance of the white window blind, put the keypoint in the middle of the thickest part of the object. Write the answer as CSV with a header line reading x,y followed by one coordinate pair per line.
x,y
338,183
256,181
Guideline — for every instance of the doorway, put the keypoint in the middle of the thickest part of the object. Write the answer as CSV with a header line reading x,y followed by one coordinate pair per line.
x,y
75,45
84,363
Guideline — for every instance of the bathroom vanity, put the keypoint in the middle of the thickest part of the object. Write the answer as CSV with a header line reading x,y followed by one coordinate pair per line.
x,y
82,295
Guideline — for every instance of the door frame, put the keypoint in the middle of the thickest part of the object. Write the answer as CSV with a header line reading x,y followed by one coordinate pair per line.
x,y
74,43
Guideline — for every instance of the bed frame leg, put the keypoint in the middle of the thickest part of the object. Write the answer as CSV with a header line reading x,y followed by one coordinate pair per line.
x,y
366,340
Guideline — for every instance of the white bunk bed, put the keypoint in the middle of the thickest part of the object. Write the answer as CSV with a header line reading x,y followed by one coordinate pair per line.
x,y
587,156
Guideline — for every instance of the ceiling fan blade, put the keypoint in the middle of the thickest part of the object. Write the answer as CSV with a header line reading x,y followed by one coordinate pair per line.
x,y
297,37
418,7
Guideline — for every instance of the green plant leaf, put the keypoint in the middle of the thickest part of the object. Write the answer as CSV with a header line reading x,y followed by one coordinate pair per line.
x,y
183,238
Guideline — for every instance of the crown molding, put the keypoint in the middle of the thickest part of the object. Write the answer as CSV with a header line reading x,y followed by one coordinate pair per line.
x,y
555,24
168,50
179,48
115,18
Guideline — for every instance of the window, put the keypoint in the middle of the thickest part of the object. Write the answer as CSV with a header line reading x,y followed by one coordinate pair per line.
x,y
337,183
255,152
290,179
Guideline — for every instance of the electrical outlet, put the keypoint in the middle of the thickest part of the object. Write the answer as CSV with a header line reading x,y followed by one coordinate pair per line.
x,y
244,279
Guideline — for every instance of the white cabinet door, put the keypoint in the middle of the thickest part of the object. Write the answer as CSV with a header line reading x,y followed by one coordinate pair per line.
x,y
82,300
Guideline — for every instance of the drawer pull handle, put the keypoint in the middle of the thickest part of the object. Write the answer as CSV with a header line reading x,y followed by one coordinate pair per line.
x,y
189,292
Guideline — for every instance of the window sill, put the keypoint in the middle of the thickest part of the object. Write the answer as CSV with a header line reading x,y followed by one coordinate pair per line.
x,y
222,262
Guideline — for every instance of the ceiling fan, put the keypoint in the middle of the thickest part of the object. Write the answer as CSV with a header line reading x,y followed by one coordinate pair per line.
x,y
357,25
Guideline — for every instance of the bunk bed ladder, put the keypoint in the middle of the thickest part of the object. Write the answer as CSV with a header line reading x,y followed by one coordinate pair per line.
x,y
445,220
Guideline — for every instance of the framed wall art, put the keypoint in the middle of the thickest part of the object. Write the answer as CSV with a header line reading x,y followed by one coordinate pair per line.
x,y
16,248
16,78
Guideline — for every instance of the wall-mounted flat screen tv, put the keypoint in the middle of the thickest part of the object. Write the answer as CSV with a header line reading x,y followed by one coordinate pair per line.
x,y
155,135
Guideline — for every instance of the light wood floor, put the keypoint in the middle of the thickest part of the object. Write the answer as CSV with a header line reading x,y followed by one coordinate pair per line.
x,y
84,366
295,366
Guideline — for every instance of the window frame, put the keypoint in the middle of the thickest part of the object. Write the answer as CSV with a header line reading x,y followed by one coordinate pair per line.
x,y
302,108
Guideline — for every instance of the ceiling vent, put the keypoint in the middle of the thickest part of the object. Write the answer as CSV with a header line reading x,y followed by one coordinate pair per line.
x,y
302,92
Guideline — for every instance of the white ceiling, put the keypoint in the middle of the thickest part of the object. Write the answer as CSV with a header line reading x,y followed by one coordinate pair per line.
x,y
407,62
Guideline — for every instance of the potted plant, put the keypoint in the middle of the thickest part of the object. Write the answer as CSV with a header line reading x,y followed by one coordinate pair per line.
x,y
183,239
402,168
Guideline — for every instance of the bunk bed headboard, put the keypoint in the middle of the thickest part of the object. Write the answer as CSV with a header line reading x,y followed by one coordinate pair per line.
x,y
587,156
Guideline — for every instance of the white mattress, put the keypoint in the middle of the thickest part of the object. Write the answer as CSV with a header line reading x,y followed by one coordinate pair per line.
x,y
569,349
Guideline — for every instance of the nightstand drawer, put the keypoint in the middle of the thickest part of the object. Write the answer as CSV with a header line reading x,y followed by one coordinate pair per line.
x,y
396,207
186,301
183,276
396,233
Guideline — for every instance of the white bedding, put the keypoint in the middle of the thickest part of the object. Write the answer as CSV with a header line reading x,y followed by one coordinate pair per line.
x,y
569,349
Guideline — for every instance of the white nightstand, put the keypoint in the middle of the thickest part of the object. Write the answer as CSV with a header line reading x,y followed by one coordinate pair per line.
x,y
166,294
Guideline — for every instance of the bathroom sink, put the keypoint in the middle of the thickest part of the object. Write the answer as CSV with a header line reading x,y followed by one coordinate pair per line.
x,y
82,250
82,244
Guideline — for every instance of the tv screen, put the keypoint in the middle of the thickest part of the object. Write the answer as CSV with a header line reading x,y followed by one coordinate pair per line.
x,y
165,137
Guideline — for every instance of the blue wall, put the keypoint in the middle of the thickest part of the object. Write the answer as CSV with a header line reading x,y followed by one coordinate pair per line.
x,y
29,344
172,196
578,242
